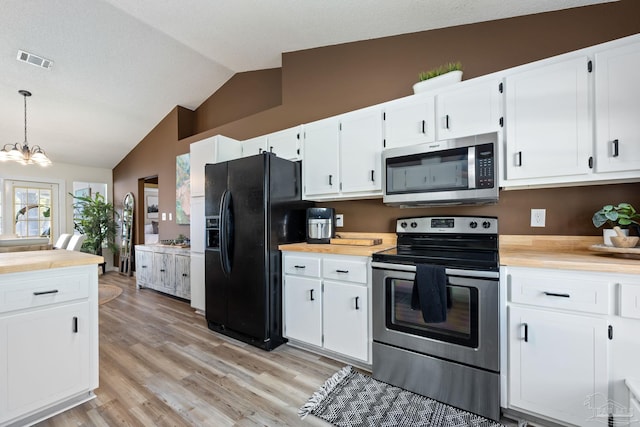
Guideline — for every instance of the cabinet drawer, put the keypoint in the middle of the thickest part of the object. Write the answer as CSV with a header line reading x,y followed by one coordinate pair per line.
x,y
630,301
302,266
24,293
345,270
562,290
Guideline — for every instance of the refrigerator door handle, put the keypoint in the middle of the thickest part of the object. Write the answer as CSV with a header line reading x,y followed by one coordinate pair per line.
x,y
223,232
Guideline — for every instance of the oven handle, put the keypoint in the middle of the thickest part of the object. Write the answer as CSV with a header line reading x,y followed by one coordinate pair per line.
x,y
448,271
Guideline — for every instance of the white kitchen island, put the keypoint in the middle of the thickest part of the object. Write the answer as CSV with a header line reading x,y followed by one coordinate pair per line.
x,y
48,333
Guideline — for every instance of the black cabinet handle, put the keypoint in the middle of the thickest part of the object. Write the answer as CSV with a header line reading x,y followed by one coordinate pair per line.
x,y
184,275
162,270
446,121
75,324
526,332
299,266
53,291
311,295
357,306
615,148
554,294
342,271
519,158
144,266
271,148
330,179
259,150
373,176
424,126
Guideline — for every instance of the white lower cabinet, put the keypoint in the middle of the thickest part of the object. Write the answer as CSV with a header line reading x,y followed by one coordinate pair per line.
x,y
572,342
326,303
164,268
48,342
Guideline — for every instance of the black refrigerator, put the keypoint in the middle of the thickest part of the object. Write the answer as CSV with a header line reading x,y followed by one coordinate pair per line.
x,y
252,205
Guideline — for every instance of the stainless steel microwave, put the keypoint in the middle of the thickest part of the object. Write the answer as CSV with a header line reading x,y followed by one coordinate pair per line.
x,y
456,171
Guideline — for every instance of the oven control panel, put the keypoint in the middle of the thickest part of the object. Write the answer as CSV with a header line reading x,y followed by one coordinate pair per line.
x,y
448,224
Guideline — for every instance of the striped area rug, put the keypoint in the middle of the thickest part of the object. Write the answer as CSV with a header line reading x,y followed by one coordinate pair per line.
x,y
352,399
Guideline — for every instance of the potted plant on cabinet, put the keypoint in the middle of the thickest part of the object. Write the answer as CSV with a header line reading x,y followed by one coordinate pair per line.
x,y
440,76
96,219
622,215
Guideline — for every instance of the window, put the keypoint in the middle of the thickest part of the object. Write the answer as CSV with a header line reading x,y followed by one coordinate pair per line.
x,y
33,209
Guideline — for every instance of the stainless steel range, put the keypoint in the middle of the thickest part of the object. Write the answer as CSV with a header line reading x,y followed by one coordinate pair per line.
x,y
455,360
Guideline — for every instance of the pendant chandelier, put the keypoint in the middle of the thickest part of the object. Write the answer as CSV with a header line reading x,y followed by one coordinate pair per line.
x,y
21,153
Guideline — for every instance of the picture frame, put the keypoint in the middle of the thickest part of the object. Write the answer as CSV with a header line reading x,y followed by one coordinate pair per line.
x,y
152,207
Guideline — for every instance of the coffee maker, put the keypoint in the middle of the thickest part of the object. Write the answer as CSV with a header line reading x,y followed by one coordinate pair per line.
x,y
320,225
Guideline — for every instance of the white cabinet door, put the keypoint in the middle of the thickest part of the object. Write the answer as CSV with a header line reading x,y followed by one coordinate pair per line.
x,y
183,276
472,109
303,309
163,272
286,143
345,315
144,267
360,151
558,364
197,281
320,151
214,149
409,121
548,127
44,357
617,109
253,146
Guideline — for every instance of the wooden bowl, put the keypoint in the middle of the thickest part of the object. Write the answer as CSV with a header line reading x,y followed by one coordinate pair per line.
x,y
624,242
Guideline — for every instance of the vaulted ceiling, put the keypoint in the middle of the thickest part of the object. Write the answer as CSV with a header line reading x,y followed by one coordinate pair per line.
x,y
120,66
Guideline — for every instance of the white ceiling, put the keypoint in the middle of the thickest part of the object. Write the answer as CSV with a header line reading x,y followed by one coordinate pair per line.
x,y
120,66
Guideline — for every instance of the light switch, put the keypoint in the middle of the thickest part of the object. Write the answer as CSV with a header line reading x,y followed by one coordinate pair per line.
x,y
170,216
164,216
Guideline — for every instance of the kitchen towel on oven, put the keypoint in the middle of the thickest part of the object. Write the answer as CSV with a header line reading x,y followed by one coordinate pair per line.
x,y
429,293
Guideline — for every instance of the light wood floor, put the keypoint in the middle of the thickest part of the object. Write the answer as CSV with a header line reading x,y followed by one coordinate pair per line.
x,y
161,366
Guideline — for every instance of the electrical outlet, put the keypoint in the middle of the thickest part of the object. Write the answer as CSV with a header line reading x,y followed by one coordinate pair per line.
x,y
339,220
538,217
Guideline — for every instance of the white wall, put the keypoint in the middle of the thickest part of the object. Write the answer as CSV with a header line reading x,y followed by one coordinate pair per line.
x,y
64,175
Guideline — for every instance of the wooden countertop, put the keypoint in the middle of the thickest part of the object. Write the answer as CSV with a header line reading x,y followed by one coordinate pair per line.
x,y
15,262
562,252
388,241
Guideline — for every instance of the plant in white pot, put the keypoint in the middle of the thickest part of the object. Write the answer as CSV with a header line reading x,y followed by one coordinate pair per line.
x,y
440,76
622,216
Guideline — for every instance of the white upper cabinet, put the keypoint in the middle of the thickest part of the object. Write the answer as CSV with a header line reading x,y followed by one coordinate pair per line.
x,y
320,165
617,106
253,146
215,149
409,121
361,151
342,156
472,108
286,143
548,126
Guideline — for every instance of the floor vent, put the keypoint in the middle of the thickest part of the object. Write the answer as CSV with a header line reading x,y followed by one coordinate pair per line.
x,y
36,60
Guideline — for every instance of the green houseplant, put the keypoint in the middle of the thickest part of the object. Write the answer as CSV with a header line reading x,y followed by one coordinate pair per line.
x,y
446,74
623,215
96,219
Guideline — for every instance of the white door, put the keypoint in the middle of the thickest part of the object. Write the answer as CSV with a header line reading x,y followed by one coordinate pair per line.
x,y
196,271
144,260
163,272
361,151
196,226
558,364
286,143
409,121
44,357
617,109
473,109
345,315
200,153
253,146
303,309
547,121
183,276
320,151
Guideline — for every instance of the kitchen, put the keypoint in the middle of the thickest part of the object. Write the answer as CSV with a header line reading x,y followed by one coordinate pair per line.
x,y
303,104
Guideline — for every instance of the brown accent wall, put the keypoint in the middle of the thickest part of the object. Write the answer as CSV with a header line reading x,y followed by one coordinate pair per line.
x,y
318,83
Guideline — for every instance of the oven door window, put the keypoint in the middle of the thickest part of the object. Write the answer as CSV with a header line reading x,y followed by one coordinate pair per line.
x,y
461,326
427,172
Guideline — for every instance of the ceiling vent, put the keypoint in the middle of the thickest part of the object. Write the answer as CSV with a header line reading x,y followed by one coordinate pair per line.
x,y
36,60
